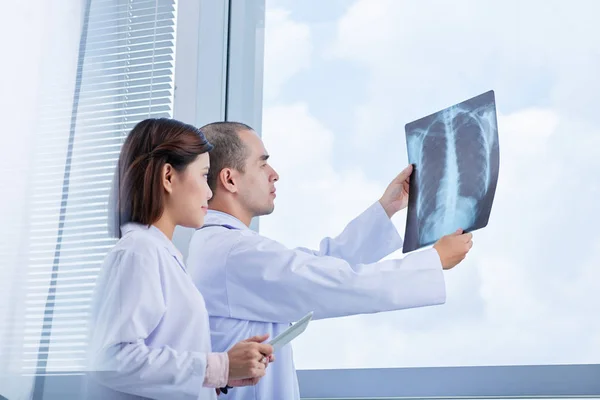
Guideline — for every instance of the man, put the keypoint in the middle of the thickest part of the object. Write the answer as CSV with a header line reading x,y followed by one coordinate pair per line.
x,y
254,285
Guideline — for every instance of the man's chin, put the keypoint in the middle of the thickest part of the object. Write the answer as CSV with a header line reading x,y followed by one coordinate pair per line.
x,y
267,210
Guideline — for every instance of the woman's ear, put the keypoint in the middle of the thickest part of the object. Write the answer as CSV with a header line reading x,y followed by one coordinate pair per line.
x,y
167,177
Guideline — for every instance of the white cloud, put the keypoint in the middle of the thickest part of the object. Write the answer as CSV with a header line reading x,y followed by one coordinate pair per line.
x,y
290,129
426,55
527,293
537,125
498,306
288,50
314,200
507,304
519,327
302,149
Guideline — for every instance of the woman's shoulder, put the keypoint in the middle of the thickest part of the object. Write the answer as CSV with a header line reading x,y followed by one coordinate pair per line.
x,y
136,245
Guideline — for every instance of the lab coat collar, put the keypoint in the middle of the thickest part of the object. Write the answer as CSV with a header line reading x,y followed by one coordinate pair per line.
x,y
159,237
220,218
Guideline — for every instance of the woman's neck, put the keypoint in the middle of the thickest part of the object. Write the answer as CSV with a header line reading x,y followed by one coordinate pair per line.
x,y
165,226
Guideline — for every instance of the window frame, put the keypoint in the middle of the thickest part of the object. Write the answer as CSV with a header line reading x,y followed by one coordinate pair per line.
x,y
247,21
200,72
527,381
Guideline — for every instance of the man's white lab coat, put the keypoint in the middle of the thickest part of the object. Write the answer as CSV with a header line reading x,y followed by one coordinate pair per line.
x,y
254,285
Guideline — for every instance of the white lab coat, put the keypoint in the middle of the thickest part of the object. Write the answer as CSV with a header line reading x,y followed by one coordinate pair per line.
x,y
254,285
149,335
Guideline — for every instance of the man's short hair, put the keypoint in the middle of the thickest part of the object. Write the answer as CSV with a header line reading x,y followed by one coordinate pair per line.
x,y
228,149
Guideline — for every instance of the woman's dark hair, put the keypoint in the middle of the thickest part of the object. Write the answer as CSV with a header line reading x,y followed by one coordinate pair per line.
x,y
150,145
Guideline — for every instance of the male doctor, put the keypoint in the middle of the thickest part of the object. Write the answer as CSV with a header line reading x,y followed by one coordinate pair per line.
x,y
254,285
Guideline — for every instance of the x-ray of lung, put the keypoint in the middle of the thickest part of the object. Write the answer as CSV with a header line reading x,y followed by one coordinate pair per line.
x,y
455,158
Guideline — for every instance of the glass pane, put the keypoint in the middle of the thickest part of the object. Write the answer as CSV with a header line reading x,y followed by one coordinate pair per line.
x,y
342,78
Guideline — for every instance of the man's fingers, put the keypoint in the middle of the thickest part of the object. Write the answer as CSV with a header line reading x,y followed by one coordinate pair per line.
x,y
405,173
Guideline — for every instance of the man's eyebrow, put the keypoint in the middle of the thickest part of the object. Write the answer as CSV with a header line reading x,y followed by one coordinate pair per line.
x,y
264,157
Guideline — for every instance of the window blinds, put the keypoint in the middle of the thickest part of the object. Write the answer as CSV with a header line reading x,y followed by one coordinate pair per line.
x,y
125,74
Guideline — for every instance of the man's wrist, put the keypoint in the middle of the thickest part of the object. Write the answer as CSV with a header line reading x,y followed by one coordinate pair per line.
x,y
387,208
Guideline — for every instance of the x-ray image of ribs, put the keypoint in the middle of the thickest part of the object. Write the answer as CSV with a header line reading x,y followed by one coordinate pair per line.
x,y
455,152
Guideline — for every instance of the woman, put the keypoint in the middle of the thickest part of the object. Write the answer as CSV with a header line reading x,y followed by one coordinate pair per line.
x,y
149,333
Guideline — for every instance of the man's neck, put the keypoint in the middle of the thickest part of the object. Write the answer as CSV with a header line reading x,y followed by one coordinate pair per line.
x,y
232,209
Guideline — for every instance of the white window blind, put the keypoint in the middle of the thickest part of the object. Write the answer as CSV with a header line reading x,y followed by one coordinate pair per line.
x,y
125,74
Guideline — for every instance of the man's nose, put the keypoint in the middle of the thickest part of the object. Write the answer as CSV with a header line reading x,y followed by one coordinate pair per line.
x,y
274,175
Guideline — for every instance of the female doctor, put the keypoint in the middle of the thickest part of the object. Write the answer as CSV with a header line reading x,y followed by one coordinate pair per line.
x,y
149,335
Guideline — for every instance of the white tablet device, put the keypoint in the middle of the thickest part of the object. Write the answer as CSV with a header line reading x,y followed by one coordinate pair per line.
x,y
291,333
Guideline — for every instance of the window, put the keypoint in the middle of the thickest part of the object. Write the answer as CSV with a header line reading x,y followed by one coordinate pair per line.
x,y
125,74
341,81
38,99
103,66
122,73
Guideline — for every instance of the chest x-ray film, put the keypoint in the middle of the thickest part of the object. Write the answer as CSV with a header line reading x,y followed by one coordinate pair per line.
x,y
455,160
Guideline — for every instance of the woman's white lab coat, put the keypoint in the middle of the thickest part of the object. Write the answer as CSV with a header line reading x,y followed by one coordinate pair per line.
x,y
149,335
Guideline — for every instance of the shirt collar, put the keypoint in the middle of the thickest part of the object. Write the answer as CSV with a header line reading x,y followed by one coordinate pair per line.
x,y
159,237
220,218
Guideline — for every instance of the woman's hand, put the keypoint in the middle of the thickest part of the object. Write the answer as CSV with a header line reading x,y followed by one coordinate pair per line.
x,y
248,361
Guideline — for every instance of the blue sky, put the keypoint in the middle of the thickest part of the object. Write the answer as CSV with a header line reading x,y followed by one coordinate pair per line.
x,y
342,78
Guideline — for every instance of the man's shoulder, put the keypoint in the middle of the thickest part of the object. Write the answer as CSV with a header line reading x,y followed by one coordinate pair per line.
x,y
209,247
222,242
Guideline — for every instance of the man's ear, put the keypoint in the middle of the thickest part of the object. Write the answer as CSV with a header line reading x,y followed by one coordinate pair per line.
x,y
167,177
228,178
